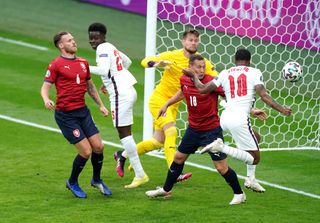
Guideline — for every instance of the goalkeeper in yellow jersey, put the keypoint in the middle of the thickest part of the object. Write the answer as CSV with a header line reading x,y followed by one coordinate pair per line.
x,y
165,132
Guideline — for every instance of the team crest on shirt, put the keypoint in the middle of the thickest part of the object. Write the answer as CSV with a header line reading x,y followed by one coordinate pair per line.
x,y
76,133
83,66
48,73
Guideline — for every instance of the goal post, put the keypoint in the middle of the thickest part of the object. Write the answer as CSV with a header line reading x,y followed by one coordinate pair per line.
x,y
275,32
149,78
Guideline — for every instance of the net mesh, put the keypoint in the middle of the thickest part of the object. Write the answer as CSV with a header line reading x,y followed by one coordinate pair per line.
x,y
299,130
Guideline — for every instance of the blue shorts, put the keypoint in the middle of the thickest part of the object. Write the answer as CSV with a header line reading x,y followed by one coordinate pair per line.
x,y
76,124
193,139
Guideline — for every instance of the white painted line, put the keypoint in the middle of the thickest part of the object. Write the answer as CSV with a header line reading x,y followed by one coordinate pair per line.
x,y
155,154
243,177
21,43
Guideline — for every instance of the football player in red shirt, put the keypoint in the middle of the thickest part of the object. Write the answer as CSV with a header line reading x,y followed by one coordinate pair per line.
x,y
71,76
203,127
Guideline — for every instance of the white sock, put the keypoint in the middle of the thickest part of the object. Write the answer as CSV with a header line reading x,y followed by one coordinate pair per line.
x,y
131,149
251,170
238,154
124,154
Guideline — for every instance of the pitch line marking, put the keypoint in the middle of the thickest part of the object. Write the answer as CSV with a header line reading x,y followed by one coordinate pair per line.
x,y
154,154
21,43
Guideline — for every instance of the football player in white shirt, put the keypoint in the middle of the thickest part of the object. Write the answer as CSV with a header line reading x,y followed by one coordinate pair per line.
x,y
112,66
240,84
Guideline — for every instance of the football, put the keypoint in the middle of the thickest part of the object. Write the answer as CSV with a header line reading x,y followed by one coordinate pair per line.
x,y
292,71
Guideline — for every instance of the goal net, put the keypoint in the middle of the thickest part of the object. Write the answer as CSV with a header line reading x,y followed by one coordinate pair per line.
x,y
275,32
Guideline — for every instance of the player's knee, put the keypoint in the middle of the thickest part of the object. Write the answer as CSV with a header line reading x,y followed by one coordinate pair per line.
x,y
156,144
85,153
98,148
180,157
171,131
124,131
221,166
256,160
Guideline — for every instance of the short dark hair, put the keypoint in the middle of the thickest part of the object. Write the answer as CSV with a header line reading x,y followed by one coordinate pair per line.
x,y
195,57
242,54
98,27
190,31
58,36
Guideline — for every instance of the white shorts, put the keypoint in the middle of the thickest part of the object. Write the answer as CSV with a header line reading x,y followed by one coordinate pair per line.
x,y
122,107
238,124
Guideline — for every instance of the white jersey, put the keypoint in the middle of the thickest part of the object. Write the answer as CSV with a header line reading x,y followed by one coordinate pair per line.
x,y
239,86
112,66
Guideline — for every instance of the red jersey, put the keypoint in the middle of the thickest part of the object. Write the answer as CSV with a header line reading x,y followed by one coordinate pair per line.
x,y
70,78
202,108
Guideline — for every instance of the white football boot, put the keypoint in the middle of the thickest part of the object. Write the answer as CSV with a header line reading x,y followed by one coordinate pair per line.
x,y
215,146
238,199
158,192
253,185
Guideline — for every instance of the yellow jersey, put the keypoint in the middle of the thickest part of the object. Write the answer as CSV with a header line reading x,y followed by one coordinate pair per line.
x,y
170,81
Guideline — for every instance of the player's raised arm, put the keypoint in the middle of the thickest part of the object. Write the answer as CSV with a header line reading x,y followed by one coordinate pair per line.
x,y
174,99
266,98
162,61
203,88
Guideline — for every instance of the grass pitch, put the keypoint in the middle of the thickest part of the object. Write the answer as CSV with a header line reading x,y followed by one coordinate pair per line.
x,y
35,162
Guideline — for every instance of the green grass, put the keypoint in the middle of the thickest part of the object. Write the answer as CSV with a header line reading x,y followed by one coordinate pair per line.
x,y
34,172
35,163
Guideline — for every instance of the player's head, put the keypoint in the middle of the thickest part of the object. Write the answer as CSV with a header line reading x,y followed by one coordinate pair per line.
x,y
198,65
97,34
65,42
242,57
190,40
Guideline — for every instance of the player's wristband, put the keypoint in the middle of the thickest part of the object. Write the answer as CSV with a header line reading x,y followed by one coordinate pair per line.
x,y
151,63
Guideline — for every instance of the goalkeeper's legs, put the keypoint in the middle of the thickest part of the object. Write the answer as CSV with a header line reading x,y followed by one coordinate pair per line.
x,y
148,145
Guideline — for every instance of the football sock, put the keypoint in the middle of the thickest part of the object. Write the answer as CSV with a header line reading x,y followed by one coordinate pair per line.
x,y
173,173
170,144
145,146
251,170
131,149
231,178
97,161
238,154
78,164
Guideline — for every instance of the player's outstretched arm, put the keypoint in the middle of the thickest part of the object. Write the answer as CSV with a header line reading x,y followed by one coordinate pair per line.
x,y
45,95
259,113
92,91
163,60
174,99
260,89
